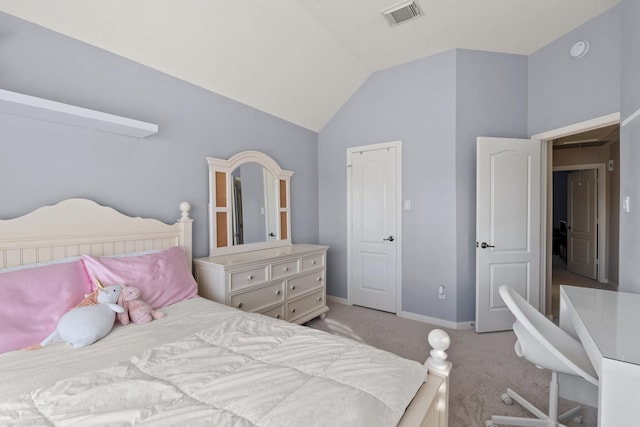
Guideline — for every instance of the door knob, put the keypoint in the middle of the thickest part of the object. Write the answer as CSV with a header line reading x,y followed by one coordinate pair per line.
x,y
484,245
390,238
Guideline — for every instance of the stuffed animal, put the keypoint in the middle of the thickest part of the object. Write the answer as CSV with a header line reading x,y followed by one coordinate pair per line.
x,y
135,309
85,325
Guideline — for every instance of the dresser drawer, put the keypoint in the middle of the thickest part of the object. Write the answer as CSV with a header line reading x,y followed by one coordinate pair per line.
x,y
312,262
255,299
246,278
284,269
305,283
275,312
304,305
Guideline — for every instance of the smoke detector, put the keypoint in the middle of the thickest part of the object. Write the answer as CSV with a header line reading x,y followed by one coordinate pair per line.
x,y
579,49
402,12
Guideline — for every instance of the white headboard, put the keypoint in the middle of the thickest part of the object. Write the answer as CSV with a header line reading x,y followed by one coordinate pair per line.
x,y
82,227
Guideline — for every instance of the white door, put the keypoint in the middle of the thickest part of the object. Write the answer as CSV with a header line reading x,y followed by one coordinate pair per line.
x,y
374,227
582,223
508,205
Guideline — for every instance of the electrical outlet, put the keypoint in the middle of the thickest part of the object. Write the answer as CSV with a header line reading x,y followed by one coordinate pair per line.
x,y
441,292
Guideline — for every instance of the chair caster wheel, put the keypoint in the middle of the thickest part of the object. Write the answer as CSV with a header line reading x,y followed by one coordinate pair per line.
x,y
577,419
489,423
506,399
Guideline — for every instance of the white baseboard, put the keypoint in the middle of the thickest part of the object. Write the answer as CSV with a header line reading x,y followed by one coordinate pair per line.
x,y
337,300
417,317
435,321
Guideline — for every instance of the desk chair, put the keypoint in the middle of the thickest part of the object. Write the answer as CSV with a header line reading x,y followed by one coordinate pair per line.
x,y
547,346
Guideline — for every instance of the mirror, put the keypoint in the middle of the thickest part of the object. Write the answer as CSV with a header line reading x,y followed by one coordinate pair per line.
x,y
248,203
254,208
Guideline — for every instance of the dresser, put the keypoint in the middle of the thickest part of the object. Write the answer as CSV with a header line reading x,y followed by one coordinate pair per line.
x,y
287,282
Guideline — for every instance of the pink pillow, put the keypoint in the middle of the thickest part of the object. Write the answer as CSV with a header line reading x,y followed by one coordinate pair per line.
x,y
163,277
32,301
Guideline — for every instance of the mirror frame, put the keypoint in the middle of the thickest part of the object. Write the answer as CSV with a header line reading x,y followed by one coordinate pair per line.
x,y
220,215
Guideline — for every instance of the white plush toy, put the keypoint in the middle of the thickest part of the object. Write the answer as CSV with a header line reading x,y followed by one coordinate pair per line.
x,y
85,325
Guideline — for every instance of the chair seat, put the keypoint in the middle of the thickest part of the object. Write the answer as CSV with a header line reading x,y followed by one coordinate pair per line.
x,y
572,360
544,344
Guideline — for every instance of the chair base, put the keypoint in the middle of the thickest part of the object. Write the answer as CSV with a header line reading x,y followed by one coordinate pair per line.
x,y
543,419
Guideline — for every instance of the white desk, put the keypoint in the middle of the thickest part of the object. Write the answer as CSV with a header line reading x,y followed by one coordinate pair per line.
x,y
608,325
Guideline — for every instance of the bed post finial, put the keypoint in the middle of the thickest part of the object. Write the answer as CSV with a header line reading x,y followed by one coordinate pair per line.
x,y
185,207
437,366
186,240
439,341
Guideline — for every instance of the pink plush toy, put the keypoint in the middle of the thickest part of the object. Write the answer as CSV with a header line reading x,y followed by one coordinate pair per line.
x,y
135,309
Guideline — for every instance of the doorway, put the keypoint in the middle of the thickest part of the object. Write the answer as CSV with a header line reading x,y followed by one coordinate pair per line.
x,y
576,260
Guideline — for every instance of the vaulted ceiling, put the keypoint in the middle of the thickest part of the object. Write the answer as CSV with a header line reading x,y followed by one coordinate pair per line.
x,y
299,60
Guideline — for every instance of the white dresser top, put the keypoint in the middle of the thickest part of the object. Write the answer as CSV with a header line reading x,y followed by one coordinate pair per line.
x,y
262,254
612,319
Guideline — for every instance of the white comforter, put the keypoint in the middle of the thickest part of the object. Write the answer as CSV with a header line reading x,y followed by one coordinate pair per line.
x,y
206,364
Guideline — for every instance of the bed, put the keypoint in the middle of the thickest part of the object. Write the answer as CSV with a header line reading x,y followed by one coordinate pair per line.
x,y
203,363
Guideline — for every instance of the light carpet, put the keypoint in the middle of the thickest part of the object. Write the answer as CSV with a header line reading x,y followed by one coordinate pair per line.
x,y
484,365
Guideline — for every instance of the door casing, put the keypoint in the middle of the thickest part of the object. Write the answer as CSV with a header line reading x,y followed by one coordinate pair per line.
x,y
350,151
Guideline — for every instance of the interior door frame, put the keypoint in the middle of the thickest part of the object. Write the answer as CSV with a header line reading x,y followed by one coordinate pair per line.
x,y
602,211
547,180
350,151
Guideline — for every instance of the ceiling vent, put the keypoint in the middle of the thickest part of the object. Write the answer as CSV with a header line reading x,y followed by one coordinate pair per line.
x,y
402,12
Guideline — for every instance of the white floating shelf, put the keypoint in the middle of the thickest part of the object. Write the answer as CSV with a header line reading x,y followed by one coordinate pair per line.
x,y
19,104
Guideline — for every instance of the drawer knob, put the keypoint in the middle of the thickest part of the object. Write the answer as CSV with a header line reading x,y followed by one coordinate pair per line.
x,y
313,262
319,279
278,316
250,277
319,298
286,269
293,310
278,292
240,305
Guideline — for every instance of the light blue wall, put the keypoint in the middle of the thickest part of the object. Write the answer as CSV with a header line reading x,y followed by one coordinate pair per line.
x,y
42,163
630,55
629,279
436,106
414,103
491,94
564,90
604,81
